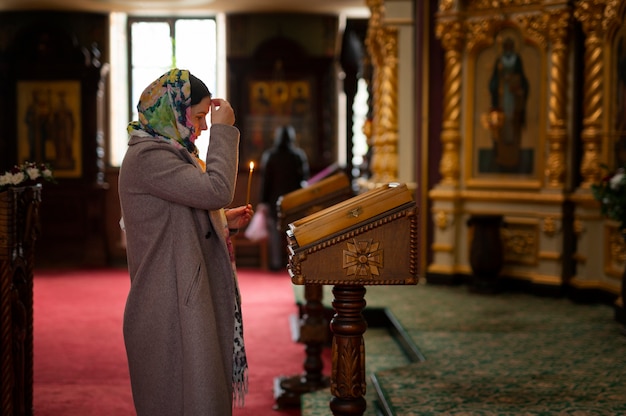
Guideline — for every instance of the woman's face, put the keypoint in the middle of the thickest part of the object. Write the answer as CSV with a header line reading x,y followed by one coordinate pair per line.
x,y
198,115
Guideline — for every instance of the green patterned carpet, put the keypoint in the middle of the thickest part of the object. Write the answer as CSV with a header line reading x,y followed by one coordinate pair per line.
x,y
504,354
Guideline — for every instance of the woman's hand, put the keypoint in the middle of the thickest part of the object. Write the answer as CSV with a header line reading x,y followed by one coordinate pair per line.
x,y
222,112
239,217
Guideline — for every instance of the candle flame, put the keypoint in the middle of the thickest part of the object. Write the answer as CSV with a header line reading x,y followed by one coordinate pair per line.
x,y
251,166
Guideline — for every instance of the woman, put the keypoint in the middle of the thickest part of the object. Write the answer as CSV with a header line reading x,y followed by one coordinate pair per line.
x,y
182,321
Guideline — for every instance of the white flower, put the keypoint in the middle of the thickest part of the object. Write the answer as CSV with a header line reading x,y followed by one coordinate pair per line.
x,y
5,179
46,173
616,180
18,178
33,172
26,173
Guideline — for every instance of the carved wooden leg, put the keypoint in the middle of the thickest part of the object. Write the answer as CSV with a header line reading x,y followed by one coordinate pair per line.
x,y
19,228
314,334
6,338
347,382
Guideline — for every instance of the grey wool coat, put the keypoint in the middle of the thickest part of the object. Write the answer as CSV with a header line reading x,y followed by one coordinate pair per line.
x,y
179,315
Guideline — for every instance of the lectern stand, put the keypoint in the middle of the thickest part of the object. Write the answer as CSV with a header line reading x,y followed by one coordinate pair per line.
x,y
19,228
313,325
370,239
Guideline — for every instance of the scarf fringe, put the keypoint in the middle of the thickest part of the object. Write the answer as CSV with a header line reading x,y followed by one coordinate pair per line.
x,y
240,389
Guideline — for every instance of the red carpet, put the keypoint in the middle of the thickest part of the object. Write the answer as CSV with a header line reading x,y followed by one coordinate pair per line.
x,y
79,358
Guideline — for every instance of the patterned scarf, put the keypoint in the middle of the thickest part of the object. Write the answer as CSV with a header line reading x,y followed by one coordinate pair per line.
x,y
164,112
240,362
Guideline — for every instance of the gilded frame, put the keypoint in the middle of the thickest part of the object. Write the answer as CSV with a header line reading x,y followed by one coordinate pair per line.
x,y
273,103
49,126
481,170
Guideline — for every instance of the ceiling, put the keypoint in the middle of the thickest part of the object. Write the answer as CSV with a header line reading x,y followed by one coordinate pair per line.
x,y
351,8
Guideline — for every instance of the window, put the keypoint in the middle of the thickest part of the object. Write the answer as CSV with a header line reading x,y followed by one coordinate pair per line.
x,y
360,146
155,45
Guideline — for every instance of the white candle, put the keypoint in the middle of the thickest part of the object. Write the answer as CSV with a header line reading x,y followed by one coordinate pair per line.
x,y
249,183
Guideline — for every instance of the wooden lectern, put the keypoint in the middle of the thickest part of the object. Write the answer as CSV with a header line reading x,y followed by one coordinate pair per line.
x,y
19,229
313,198
370,239
313,325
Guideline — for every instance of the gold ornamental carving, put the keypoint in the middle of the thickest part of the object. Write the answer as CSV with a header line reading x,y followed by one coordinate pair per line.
x,y
441,220
590,13
579,227
446,5
382,46
521,244
549,226
535,26
500,4
480,31
611,18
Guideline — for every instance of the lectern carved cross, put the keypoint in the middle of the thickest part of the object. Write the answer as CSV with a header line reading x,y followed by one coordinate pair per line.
x,y
363,258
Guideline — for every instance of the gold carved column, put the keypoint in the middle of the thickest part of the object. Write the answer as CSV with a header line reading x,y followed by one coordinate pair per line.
x,y
602,21
450,31
559,22
382,45
590,14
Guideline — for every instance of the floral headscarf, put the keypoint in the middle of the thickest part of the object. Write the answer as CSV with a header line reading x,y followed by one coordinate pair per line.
x,y
165,110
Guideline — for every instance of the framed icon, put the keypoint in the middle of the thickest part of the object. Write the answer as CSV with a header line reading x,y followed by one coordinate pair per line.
x,y
49,125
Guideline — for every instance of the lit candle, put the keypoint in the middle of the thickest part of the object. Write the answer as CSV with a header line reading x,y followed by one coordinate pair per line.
x,y
249,183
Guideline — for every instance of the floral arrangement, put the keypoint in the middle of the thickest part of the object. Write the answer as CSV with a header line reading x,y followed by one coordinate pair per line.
x,y
611,192
26,174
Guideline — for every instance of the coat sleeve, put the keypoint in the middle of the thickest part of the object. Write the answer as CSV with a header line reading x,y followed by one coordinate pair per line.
x,y
168,174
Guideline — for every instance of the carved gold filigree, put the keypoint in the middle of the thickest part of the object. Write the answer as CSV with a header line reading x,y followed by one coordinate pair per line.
x,y
441,220
446,5
521,244
535,26
363,259
611,18
480,31
549,226
590,13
